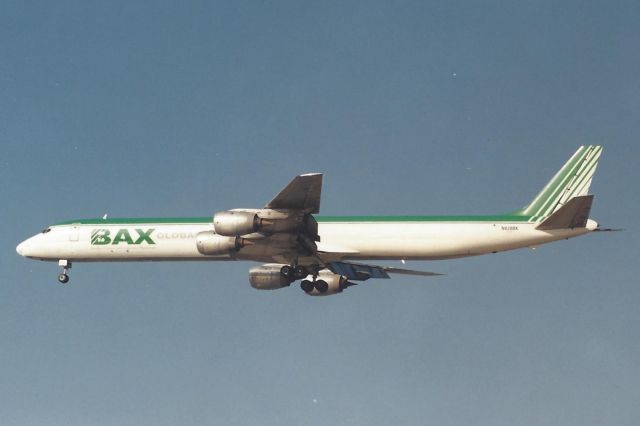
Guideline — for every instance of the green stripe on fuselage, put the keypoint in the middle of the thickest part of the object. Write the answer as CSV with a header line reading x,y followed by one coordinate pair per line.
x,y
320,219
494,218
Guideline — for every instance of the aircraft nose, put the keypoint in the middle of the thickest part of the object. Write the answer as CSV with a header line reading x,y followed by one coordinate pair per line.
x,y
22,248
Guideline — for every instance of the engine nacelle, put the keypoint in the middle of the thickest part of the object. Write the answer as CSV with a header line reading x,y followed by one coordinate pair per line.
x,y
239,222
232,223
267,277
209,243
327,284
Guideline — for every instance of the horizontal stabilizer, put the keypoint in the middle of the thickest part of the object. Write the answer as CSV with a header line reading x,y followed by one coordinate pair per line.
x,y
574,214
360,272
598,229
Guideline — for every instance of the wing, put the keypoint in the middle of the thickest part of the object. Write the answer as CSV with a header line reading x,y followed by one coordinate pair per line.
x,y
361,272
291,232
301,198
302,194
331,257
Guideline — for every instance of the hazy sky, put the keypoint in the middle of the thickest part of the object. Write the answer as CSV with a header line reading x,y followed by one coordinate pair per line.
x,y
186,108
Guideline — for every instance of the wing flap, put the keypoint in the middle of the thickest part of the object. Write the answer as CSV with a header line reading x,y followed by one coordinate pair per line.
x,y
412,272
356,271
361,272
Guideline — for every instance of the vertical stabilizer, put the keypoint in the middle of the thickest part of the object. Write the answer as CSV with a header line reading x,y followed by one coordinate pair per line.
x,y
572,180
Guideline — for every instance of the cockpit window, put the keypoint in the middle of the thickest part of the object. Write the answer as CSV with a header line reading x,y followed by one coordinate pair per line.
x,y
44,231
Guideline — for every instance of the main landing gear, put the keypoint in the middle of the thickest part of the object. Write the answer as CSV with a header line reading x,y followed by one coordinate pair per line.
x,y
64,276
294,272
297,272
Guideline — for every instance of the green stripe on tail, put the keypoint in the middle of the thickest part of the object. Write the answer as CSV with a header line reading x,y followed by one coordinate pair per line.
x,y
572,180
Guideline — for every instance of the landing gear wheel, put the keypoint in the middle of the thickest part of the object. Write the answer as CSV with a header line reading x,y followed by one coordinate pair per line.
x,y
300,272
287,271
307,286
322,286
64,275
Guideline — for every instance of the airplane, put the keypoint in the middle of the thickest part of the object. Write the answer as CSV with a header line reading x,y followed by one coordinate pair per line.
x,y
325,252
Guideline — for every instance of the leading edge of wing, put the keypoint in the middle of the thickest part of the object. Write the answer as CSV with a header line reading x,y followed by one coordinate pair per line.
x,y
302,193
362,272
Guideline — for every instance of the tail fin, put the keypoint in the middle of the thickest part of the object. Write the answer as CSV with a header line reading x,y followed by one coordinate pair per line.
x,y
572,180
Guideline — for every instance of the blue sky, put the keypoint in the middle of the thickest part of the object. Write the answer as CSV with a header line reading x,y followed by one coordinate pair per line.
x,y
186,108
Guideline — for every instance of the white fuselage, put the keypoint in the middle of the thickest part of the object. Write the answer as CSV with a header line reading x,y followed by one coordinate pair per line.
x,y
419,240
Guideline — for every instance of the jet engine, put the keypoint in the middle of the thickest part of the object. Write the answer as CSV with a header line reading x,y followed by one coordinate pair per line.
x,y
236,222
209,243
327,283
268,277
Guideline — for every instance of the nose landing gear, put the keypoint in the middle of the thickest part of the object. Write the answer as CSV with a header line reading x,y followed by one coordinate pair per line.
x,y
64,276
